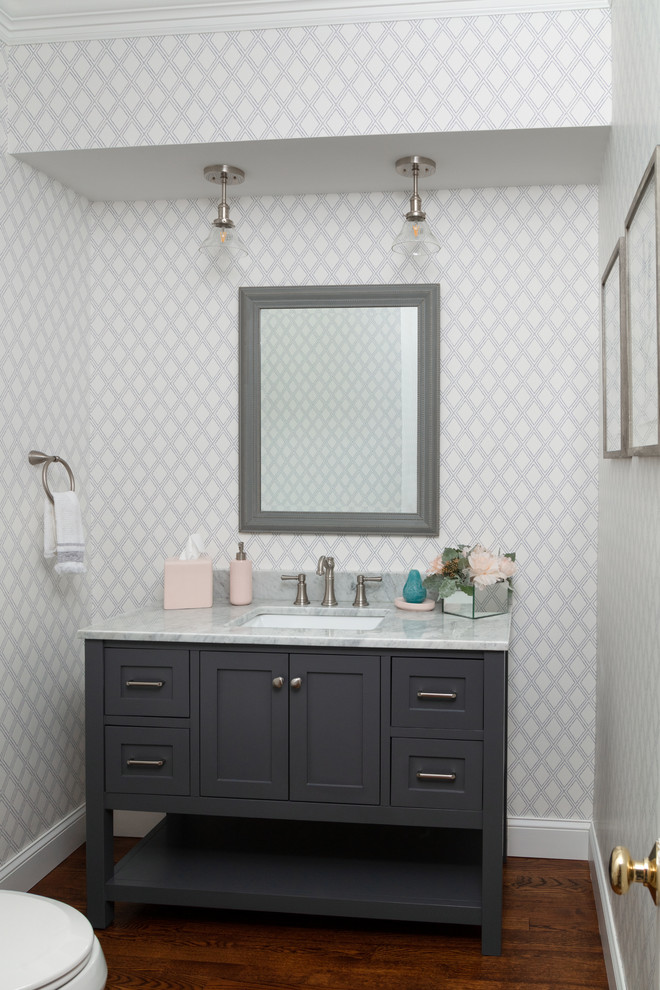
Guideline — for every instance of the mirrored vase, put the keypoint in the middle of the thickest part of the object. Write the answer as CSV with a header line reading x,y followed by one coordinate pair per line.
x,y
493,600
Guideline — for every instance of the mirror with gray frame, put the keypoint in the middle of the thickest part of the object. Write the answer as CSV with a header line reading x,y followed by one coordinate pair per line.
x,y
338,409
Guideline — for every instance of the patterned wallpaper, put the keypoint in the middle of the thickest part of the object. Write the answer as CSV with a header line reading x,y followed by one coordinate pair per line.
x,y
627,810
140,394
43,372
518,447
542,69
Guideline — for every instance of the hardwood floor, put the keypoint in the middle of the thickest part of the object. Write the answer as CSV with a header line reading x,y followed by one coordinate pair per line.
x,y
551,942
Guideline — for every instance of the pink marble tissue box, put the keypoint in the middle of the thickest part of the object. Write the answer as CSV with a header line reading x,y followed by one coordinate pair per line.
x,y
188,583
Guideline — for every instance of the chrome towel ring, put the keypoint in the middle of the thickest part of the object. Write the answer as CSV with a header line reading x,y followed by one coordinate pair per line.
x,y
37,457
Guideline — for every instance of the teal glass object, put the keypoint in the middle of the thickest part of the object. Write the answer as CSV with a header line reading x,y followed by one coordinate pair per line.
x,y
414,591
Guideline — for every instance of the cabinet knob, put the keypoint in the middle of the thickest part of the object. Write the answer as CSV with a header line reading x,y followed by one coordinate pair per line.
x,y
624,871
296,683
278,682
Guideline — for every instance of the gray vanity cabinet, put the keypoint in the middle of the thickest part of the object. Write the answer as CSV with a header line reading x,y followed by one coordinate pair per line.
x,y
360,783
244,725
304,727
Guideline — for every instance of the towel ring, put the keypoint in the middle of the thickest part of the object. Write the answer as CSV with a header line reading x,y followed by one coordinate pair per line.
x,y
37,457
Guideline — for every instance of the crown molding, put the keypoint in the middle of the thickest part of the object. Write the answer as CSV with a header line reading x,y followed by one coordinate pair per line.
x,y
112,19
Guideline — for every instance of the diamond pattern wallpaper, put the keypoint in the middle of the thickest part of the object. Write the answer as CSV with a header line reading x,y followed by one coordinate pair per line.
x,y
543,69
43,375
120,351
626,809
519,399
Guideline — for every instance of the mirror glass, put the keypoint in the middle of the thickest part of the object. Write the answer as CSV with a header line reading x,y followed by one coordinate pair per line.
x,y
642,261
612,358
338,424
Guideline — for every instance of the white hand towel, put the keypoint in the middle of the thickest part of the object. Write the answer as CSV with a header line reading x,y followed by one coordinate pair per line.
x,y
49,529
69,536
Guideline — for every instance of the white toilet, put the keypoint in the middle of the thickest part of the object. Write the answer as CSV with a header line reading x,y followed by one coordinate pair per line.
x,y
45,945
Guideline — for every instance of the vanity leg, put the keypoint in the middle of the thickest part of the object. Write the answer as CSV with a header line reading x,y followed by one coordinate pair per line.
x,y
99,848
100,911
493,824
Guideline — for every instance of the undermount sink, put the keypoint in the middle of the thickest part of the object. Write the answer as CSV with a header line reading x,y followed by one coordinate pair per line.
x,y
273,619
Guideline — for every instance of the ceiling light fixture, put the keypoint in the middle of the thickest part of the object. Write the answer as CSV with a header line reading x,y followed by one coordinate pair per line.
x,y
223,241
415,239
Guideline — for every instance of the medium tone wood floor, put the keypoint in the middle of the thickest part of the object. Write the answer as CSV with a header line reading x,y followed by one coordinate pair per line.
x,y
551,942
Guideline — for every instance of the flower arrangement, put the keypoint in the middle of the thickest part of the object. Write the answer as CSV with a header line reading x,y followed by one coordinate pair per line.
x,y
465,568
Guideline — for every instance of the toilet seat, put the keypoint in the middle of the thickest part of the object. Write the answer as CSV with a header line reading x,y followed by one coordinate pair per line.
x,y
45,945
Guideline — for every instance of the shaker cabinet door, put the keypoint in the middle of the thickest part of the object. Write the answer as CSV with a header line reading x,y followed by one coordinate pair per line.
x,y
334,729
244,725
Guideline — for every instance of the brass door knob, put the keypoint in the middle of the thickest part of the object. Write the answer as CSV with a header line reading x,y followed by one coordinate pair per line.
x,y
624,871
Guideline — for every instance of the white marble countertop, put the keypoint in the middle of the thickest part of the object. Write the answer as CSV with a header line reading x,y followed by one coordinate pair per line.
x,y
222,623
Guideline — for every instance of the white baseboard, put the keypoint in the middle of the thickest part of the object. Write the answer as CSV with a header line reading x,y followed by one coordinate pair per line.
x,y
45,853
538,838
613,963
548,838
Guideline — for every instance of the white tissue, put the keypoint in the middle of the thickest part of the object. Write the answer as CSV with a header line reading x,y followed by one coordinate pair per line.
x,y
194,548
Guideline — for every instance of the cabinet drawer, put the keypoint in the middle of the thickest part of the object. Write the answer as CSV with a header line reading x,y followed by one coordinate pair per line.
x,y
437,773
147,761
147,682
436,693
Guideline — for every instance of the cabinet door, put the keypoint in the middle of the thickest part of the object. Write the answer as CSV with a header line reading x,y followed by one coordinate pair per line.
x,y
334,728
244,725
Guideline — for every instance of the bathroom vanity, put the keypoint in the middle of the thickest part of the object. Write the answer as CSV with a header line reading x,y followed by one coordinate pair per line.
x,y
357,773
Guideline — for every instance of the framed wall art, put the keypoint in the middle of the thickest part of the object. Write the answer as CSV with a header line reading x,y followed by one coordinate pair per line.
x,y
614,354
643,281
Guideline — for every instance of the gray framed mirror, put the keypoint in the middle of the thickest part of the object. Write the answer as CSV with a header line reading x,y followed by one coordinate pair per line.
x,y
643,286
614,354
338,409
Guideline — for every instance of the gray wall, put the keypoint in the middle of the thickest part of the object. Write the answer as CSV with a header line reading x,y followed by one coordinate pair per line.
x,y
44,364
628,700
158,371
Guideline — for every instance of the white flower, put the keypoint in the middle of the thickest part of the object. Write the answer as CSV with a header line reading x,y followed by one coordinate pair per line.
x,y
484,568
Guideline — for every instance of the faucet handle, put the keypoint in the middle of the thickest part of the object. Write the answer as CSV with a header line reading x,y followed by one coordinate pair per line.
x,y
360,600
301,596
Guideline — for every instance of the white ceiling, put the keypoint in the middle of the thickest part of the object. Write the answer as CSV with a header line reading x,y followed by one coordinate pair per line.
x,y
34,21
553,156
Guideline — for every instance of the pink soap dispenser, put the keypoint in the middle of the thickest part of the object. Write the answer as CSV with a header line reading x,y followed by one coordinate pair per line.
x,y
240,579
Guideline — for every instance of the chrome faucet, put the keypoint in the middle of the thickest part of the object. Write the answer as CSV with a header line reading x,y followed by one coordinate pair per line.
x,y
326,567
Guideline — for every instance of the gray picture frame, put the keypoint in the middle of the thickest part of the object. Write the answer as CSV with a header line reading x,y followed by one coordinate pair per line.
x,y
614,354
253,301
643,312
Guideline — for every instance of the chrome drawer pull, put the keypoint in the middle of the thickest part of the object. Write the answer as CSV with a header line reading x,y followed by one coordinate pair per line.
x,y
449,696
156,684
435,776
145,763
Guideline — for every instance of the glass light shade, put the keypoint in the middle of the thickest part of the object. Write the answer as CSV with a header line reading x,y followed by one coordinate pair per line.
x,y
224,242
416,240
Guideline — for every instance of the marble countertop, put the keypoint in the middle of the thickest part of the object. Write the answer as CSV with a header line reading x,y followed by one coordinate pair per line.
x,y
222,623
